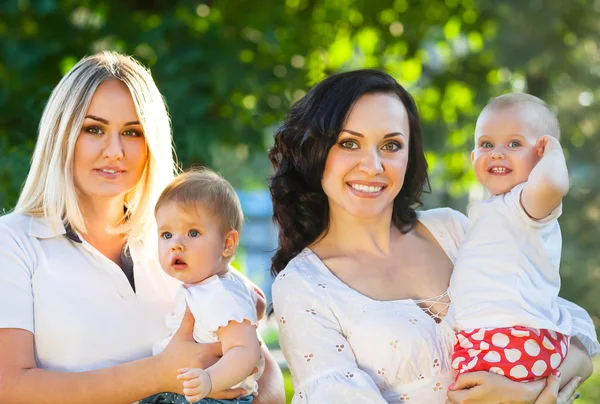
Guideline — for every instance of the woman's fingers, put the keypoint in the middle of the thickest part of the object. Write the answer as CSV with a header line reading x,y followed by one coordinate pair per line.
x,y
466,381
550,393
228,394
569,391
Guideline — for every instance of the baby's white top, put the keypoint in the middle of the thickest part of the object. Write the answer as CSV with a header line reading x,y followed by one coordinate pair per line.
x,y
507,270
215,302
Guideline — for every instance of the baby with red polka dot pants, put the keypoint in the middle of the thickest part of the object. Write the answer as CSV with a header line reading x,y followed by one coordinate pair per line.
x,y
505,282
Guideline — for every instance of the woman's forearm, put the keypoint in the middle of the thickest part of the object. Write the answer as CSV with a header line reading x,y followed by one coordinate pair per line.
x,y
270,384
124,383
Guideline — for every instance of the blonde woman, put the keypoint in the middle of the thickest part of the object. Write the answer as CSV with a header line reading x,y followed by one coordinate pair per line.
x,y
82,295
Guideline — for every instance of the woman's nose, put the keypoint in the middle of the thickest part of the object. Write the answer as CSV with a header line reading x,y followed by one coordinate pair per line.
x,y
113,149
371,163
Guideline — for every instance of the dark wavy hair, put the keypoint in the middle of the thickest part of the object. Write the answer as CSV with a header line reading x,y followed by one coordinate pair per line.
x,y
302,143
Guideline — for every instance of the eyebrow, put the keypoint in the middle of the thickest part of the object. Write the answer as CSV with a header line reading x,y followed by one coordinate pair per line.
x,y
361,135
104,121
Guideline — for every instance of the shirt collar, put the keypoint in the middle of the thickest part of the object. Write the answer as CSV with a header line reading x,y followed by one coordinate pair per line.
x,y
42,227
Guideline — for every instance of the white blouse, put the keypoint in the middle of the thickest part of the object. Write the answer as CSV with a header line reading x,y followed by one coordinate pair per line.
x,y
342,346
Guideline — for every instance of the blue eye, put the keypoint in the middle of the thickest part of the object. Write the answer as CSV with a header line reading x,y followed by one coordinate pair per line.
x,y
487,145
514,143
193,233
166,235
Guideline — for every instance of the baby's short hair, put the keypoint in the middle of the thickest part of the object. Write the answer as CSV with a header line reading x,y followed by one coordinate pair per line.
x,y
546,119
208,188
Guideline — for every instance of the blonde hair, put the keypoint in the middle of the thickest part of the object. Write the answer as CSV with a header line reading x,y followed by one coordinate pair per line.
x,y
50,191
209,189
545,119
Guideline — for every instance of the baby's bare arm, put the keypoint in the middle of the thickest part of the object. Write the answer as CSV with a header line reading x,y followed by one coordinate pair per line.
x,y
548,182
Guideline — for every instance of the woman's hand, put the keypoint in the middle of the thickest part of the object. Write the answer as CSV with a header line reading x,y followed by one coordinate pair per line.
x,y
184,352
490,388
551,394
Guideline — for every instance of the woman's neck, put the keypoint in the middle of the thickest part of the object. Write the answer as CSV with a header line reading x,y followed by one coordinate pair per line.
x,y
99,217
351,234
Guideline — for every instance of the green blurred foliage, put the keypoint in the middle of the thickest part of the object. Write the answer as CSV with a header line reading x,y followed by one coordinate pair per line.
x,y
230,69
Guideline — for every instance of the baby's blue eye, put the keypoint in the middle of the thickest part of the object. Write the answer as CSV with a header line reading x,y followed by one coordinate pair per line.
x,y
487,145
193,233
166,235
514,143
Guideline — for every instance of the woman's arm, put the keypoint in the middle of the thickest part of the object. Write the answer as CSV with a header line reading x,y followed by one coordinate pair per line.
x,y
22,382
270,384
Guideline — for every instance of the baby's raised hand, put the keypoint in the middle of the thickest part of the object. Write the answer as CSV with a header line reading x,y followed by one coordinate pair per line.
x,y
196,383
545,144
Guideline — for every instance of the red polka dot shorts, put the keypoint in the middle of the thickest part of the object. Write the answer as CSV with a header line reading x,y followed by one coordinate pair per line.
x,y
519,353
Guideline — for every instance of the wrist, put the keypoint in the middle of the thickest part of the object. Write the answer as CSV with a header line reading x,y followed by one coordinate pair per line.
x,y
164,380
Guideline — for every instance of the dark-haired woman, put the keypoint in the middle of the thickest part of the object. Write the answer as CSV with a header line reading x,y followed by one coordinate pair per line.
x,y
360,294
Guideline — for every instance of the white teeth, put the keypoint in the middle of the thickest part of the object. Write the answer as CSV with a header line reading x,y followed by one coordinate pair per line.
x,y
499,170
109,171
366,188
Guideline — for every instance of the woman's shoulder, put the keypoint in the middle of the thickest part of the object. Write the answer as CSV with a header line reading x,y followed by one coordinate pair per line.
x,y
443,218
300,269
448,226
18,226
15,220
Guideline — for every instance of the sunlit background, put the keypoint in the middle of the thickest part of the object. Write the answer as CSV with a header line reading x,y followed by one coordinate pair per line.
x,y
230,70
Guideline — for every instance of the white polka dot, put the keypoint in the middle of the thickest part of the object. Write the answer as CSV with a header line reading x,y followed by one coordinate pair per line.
x,y
563,347
555,360
532,347
457,362
535,331
478,336
519,372
492,357
472,364
474,352
512,355
547,344
519,333
496,370
464,342
552,334
539,368
500,340
484,346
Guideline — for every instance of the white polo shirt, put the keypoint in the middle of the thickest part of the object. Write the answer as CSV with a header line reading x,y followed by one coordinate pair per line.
x,y
79,304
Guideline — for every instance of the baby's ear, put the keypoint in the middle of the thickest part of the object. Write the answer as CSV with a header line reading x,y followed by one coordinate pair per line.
x,y
231,242
472,156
